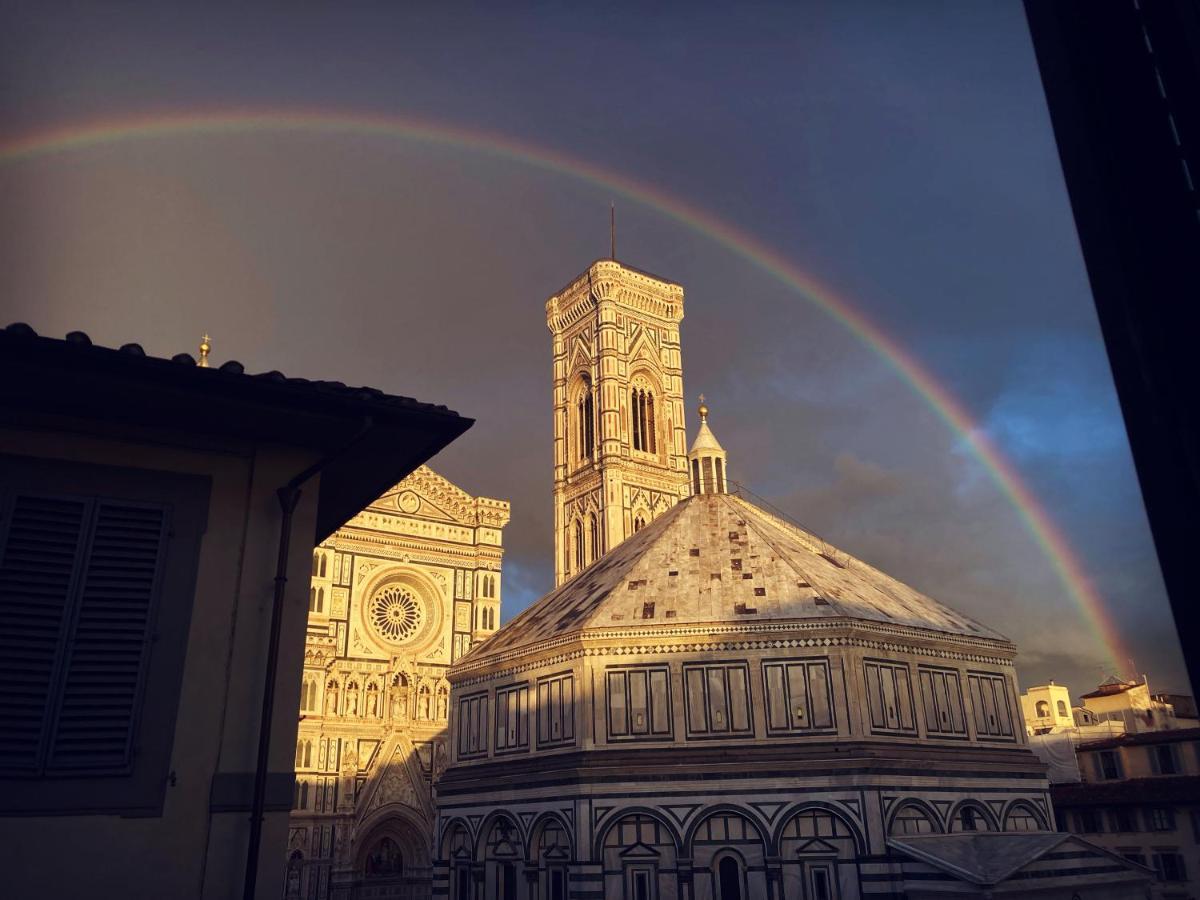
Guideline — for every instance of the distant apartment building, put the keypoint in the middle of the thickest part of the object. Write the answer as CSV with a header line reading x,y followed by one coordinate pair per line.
x,y
1131,705
1140,797
1116,707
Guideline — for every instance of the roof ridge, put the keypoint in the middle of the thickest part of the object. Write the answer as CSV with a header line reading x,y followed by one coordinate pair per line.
x,y
978,877
881,581
831,554
547,602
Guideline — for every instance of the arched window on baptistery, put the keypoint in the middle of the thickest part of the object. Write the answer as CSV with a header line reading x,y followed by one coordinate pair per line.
x,y
637,848
971,817
1022,817
912,819
552,855
728,846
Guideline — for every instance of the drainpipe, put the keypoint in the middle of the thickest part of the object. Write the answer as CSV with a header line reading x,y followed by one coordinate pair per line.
x,y
289,498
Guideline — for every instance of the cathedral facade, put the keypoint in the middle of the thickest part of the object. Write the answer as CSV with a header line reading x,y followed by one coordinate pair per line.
x,y
714,704
398,594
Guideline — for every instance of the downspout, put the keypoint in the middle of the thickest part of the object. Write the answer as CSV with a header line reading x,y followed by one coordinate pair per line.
x,y
289,498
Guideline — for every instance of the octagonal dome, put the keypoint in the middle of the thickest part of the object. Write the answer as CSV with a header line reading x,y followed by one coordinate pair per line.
x,y
717,558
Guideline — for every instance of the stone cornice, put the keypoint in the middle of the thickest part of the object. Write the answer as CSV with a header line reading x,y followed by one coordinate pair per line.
x,y
610,281
703,637
382,545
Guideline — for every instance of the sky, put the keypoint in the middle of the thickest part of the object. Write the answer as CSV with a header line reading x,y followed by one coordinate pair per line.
x,y
900,154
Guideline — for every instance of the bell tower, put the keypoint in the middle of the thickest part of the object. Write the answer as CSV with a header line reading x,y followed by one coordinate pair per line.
x,y
620,451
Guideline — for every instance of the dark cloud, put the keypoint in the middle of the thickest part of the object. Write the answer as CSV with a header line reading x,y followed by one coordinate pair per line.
x,y
901,153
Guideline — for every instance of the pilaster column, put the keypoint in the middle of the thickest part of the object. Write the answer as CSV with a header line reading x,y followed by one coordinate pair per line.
x,y
774,867
684,869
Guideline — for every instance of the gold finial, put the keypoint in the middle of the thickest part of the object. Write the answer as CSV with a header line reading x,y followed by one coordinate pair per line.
x,y
703,410
205,347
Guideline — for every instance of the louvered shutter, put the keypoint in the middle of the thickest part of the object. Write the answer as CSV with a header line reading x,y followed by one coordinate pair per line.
x,y
108,646
38,573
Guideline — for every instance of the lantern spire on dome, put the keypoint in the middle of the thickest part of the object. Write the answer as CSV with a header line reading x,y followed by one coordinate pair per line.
x,y
707,458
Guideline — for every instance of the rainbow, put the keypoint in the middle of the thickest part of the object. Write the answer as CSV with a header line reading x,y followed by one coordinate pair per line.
x,y
1046,534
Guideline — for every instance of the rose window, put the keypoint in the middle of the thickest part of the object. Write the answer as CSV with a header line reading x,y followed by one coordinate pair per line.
x,y
395,613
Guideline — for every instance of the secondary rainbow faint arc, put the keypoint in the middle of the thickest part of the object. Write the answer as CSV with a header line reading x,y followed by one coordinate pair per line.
x,y
1044,531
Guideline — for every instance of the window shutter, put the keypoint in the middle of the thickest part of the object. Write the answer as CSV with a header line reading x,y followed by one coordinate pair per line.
x,y
109,643
37,575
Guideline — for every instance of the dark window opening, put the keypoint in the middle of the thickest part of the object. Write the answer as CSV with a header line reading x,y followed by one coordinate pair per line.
x,y
506,881
731,879
1110,765
820,885
641,412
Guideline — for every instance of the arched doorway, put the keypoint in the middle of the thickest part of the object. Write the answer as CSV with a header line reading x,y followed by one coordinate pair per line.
x,y
392,863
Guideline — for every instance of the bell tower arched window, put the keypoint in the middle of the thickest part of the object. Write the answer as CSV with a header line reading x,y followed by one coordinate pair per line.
x,y
595,535
585,421
579,558
641,410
